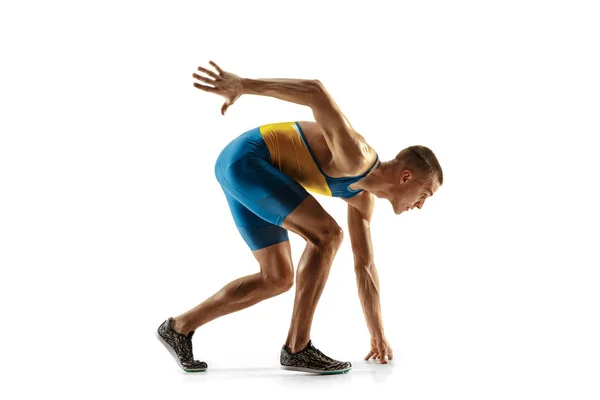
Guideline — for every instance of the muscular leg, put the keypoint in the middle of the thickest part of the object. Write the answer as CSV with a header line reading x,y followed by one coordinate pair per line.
x,y
323,238
265,203
275,277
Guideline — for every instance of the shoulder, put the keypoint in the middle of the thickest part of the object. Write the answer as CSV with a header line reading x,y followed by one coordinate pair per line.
x,y
352,144
353,157
362,204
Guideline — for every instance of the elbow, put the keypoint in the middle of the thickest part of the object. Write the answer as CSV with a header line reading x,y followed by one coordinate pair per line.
x,y
315,85
316,92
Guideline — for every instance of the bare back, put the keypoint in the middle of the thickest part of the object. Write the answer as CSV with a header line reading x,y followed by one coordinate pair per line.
x,y
355,158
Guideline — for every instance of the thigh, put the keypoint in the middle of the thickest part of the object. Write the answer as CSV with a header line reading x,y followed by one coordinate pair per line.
x,y
275,262
312,222
261,188
269,243
256,232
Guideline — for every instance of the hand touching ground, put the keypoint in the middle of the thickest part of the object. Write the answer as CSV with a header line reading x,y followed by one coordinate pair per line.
x,y
380,349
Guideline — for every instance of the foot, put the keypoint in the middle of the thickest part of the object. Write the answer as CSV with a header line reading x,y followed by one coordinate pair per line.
x,y
312,360
180,347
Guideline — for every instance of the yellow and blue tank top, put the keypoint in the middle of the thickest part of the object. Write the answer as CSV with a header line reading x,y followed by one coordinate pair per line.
x,y
291,154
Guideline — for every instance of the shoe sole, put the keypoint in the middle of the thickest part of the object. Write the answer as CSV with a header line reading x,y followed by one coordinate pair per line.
x,y
174,355
316,371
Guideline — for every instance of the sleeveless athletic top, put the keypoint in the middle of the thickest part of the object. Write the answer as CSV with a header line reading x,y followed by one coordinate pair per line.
x,y
291,154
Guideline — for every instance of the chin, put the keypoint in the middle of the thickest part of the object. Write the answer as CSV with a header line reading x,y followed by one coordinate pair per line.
x,y
400,210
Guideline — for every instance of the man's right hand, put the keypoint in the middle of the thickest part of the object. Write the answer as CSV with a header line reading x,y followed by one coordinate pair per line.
x,y
380,349
224,84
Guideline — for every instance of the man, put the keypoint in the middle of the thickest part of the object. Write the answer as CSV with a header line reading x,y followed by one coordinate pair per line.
x,y
266,174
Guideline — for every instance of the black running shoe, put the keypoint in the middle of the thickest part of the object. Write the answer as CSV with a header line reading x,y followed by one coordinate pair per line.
x,y
312,360
180,347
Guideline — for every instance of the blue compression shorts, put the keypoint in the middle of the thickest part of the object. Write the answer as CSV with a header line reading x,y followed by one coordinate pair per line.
x,y
259,195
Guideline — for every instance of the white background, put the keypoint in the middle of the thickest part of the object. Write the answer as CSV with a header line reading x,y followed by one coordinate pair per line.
x,y
111,219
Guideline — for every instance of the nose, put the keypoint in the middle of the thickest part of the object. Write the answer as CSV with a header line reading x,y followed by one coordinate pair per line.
x,y
419,205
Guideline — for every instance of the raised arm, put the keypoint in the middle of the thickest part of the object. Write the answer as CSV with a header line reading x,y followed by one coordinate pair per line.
x,y
360,210
308,92
300,91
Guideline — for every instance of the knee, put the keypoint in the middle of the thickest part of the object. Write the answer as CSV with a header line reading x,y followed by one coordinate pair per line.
x,y
330,237
283,285
280,282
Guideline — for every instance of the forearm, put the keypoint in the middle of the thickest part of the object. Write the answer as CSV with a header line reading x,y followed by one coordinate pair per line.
x,y
299,91
367,281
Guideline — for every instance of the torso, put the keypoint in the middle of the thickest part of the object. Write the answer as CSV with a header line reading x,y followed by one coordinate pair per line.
x,y
357,157
301,151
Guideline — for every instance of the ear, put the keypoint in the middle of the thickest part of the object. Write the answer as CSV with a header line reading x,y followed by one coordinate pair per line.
x,y
405,176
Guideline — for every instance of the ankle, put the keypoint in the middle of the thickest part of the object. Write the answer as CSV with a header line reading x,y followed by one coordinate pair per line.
x,y
180,327
296,346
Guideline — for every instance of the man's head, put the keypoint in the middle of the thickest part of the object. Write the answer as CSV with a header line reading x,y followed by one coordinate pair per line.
x,y
415,174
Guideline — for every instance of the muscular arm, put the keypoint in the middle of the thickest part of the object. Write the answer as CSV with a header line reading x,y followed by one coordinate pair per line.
x,y
360,210
335,126
339,134
299,91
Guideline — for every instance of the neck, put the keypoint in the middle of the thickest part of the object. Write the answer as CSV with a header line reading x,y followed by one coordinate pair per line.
x,y
379,181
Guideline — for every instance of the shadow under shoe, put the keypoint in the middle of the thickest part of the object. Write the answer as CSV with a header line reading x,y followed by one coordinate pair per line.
x,y
180,347
312,360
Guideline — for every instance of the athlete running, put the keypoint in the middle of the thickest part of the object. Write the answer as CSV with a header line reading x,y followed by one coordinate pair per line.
x,y
266,174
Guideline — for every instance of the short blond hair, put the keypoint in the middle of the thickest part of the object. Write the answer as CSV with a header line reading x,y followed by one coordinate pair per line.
x,y
421,161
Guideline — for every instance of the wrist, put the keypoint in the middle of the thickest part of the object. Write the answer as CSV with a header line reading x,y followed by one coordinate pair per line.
x,y
244,84
250,86
378,334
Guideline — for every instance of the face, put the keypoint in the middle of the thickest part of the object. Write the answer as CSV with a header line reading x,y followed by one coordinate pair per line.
x,y
411,193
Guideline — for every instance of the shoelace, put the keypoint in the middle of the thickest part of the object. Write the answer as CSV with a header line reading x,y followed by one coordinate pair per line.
x,y
326,358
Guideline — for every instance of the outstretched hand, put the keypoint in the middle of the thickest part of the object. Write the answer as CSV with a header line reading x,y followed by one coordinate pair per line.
x,y
380,349
223,83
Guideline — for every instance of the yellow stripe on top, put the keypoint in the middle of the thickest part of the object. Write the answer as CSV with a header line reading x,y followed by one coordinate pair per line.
x,y
290,155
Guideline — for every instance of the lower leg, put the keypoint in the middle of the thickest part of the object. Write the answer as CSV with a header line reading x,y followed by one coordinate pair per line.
x,y
236,295
313,270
